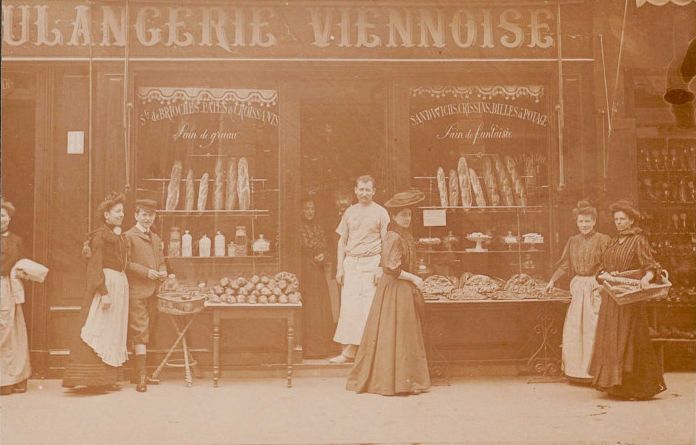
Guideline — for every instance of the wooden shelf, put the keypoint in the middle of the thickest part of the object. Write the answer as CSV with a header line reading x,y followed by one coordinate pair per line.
x,y
229,213
221,259
461,252
674,340
488,209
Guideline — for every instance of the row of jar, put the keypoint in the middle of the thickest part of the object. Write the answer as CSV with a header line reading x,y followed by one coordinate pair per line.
x,y
183,245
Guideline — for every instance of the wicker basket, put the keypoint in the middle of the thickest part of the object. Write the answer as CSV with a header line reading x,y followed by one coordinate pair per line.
x,y
623,296
180,302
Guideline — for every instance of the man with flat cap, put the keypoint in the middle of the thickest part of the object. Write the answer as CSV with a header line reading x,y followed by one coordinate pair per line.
x,y
145,271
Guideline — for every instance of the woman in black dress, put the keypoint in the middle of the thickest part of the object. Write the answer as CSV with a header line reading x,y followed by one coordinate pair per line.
x,y
624,363
318,326
100,346
391,359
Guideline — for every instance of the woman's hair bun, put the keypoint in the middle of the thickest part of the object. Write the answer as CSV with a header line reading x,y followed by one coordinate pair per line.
x,y
583,203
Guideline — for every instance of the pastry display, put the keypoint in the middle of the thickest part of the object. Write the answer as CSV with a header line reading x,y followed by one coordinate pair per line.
x,y
190,191
464,183
476,187
173,188
283,288
243,186
490,181
231,189
203,192
479,238
437,285
219,192
506,190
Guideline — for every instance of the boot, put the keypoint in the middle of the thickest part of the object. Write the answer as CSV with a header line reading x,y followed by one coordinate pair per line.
x,y
140,373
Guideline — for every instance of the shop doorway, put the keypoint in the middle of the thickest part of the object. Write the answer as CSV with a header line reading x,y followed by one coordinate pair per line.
x,y
18,142
342,136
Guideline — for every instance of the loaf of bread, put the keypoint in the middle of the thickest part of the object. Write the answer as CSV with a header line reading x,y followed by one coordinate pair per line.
x,y
453,188
476,186
243,186
517,186
173,188
219,194
464,184
203,191
231,193
442,187
489,180
190,191
504,183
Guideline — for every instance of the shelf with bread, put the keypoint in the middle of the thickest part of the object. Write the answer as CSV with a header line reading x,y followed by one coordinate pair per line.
x,y
484,217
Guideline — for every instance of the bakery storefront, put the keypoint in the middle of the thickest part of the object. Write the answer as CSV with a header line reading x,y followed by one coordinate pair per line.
x,y
229,113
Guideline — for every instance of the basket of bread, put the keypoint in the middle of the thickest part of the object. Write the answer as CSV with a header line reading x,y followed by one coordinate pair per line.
x,y
180,301
625,287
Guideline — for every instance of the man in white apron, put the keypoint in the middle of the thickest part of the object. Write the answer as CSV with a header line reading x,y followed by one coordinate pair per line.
x,y
361,230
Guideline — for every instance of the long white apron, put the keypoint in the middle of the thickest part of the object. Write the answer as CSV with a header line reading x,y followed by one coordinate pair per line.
x,y
14,345
105,331
356,298
580,326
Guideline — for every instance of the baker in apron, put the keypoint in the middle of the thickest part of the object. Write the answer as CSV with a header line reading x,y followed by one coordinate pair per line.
x,y
361,230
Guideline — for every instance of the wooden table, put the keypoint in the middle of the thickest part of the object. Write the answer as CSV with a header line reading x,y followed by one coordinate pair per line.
x,y
543,362
221,311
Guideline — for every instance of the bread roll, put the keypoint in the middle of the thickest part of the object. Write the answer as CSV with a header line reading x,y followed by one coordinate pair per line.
x,y
203,192
504,183
173,188
464,184
453,188
219,194
518,188
231,195
243,189
476,186
489,180
442,187
190,191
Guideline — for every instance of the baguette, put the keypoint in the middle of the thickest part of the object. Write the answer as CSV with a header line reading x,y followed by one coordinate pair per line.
x,y
203,192
489,180
243,189
504,183
520,194
476,186
231,198
464,184
173,188
442,187
453,188
190,191
219,194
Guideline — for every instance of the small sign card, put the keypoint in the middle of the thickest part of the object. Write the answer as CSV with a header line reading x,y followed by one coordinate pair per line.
x,y
76,142
434,218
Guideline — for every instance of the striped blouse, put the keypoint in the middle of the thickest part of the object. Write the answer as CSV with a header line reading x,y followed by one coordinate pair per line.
x,y
629,251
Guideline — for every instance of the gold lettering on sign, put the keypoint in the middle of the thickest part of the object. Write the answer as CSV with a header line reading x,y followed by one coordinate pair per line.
x,y
147,36
321,28
174,24
113,26
512,27
82,32
456,29
8,25
431,25
365,38
537,27
403,25
260,37
42,28
214,19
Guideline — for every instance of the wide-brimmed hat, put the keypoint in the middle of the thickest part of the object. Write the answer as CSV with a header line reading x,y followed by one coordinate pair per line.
x,y
405,199
8,206
627,207
111,200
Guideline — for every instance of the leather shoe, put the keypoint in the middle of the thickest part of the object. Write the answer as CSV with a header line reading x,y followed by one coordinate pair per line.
x,y
141,386
341,359
20,387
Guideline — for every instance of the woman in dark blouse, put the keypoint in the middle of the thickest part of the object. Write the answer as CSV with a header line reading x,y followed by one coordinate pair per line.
x,y
318,326
624,363
581,258
391,359
100,346
14,346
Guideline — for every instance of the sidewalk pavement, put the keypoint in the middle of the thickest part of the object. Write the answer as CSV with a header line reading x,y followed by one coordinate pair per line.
x,y
318,410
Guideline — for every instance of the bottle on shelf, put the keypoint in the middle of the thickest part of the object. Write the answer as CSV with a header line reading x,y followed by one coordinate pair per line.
x,y
186,244
174,248
204,246
219,244
261,246
240,241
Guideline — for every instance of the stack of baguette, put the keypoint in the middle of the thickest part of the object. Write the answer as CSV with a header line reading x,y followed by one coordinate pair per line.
x,y
232,190
499,184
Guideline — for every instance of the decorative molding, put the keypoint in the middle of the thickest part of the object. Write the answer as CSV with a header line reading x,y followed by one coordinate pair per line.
x,y
508,92
640,3
168,95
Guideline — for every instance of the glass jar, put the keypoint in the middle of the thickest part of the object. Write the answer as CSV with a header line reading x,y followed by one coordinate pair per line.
x,y
240,241
174,248
422,269
261,246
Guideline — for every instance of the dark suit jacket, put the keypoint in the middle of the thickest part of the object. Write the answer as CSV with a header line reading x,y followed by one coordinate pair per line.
x,y
145,254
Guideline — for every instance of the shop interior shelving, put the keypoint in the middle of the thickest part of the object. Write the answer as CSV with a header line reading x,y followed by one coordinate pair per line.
x,y
667,197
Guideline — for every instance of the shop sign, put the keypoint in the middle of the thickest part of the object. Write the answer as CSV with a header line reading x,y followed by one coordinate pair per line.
x,y
160,30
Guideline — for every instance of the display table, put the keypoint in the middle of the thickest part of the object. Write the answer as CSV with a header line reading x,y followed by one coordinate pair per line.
x,y
222,311
525,330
